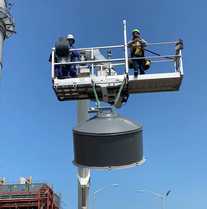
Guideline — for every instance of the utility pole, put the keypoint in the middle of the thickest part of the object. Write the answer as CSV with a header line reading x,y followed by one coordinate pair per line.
x,y
163,197
83,173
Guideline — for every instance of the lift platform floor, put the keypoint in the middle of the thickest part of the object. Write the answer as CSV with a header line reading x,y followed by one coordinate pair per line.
x,y
82,88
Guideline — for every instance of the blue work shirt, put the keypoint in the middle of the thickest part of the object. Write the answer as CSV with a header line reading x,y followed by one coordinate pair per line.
x,y
74,55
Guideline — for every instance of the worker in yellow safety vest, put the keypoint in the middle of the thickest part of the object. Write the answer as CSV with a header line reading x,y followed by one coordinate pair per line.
x,y
136,46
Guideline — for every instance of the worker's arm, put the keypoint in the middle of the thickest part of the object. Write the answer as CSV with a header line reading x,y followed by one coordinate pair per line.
x,y
129,44
75,56
143,42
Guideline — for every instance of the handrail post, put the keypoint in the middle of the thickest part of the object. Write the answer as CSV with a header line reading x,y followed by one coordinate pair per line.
x,y
181,63
92,57
177,61
53,66
126,48
178,48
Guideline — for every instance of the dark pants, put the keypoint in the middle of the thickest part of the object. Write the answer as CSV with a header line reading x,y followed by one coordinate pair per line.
x,y
67,71
138,66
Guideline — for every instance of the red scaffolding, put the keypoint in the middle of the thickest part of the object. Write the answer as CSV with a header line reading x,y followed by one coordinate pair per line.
x,y
28,196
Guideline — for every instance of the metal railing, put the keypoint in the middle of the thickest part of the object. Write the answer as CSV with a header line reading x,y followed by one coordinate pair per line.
x,y
21,187
123,61
152,58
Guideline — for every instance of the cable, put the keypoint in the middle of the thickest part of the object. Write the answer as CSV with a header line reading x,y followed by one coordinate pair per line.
x,y
171,58
95,94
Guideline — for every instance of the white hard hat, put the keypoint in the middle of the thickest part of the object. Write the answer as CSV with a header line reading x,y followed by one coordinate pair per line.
x,y
70,36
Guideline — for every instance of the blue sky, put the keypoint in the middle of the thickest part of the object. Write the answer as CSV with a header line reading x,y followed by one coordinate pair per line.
x,y
36,136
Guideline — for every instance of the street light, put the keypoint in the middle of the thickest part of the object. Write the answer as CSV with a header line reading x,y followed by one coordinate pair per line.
x,y
162,196
100,190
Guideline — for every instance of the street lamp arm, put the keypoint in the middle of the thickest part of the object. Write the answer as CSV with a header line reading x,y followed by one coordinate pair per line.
x,y
99,190
153,193
104,187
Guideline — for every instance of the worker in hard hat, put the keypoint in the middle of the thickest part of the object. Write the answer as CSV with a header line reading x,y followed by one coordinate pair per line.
x,y
73,57
63,54
136,46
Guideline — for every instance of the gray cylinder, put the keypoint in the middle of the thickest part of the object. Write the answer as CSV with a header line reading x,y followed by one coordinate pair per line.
x,y
108,140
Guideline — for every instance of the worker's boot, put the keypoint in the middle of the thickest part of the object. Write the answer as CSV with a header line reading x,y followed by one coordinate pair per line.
x,y
141,69
142,72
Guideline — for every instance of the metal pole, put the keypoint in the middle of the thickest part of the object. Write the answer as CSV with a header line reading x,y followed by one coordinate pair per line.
x,y
82,111
53,61
181,63
92,58
94,200
125,48
83,187
83,173
163,202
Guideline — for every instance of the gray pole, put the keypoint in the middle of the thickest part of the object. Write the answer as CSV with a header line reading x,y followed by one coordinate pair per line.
x,y
83,173
82,111
7,27
163,202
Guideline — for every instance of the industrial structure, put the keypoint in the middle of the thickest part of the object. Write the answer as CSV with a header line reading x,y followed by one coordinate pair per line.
x,y
7,26
28,195
107,140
